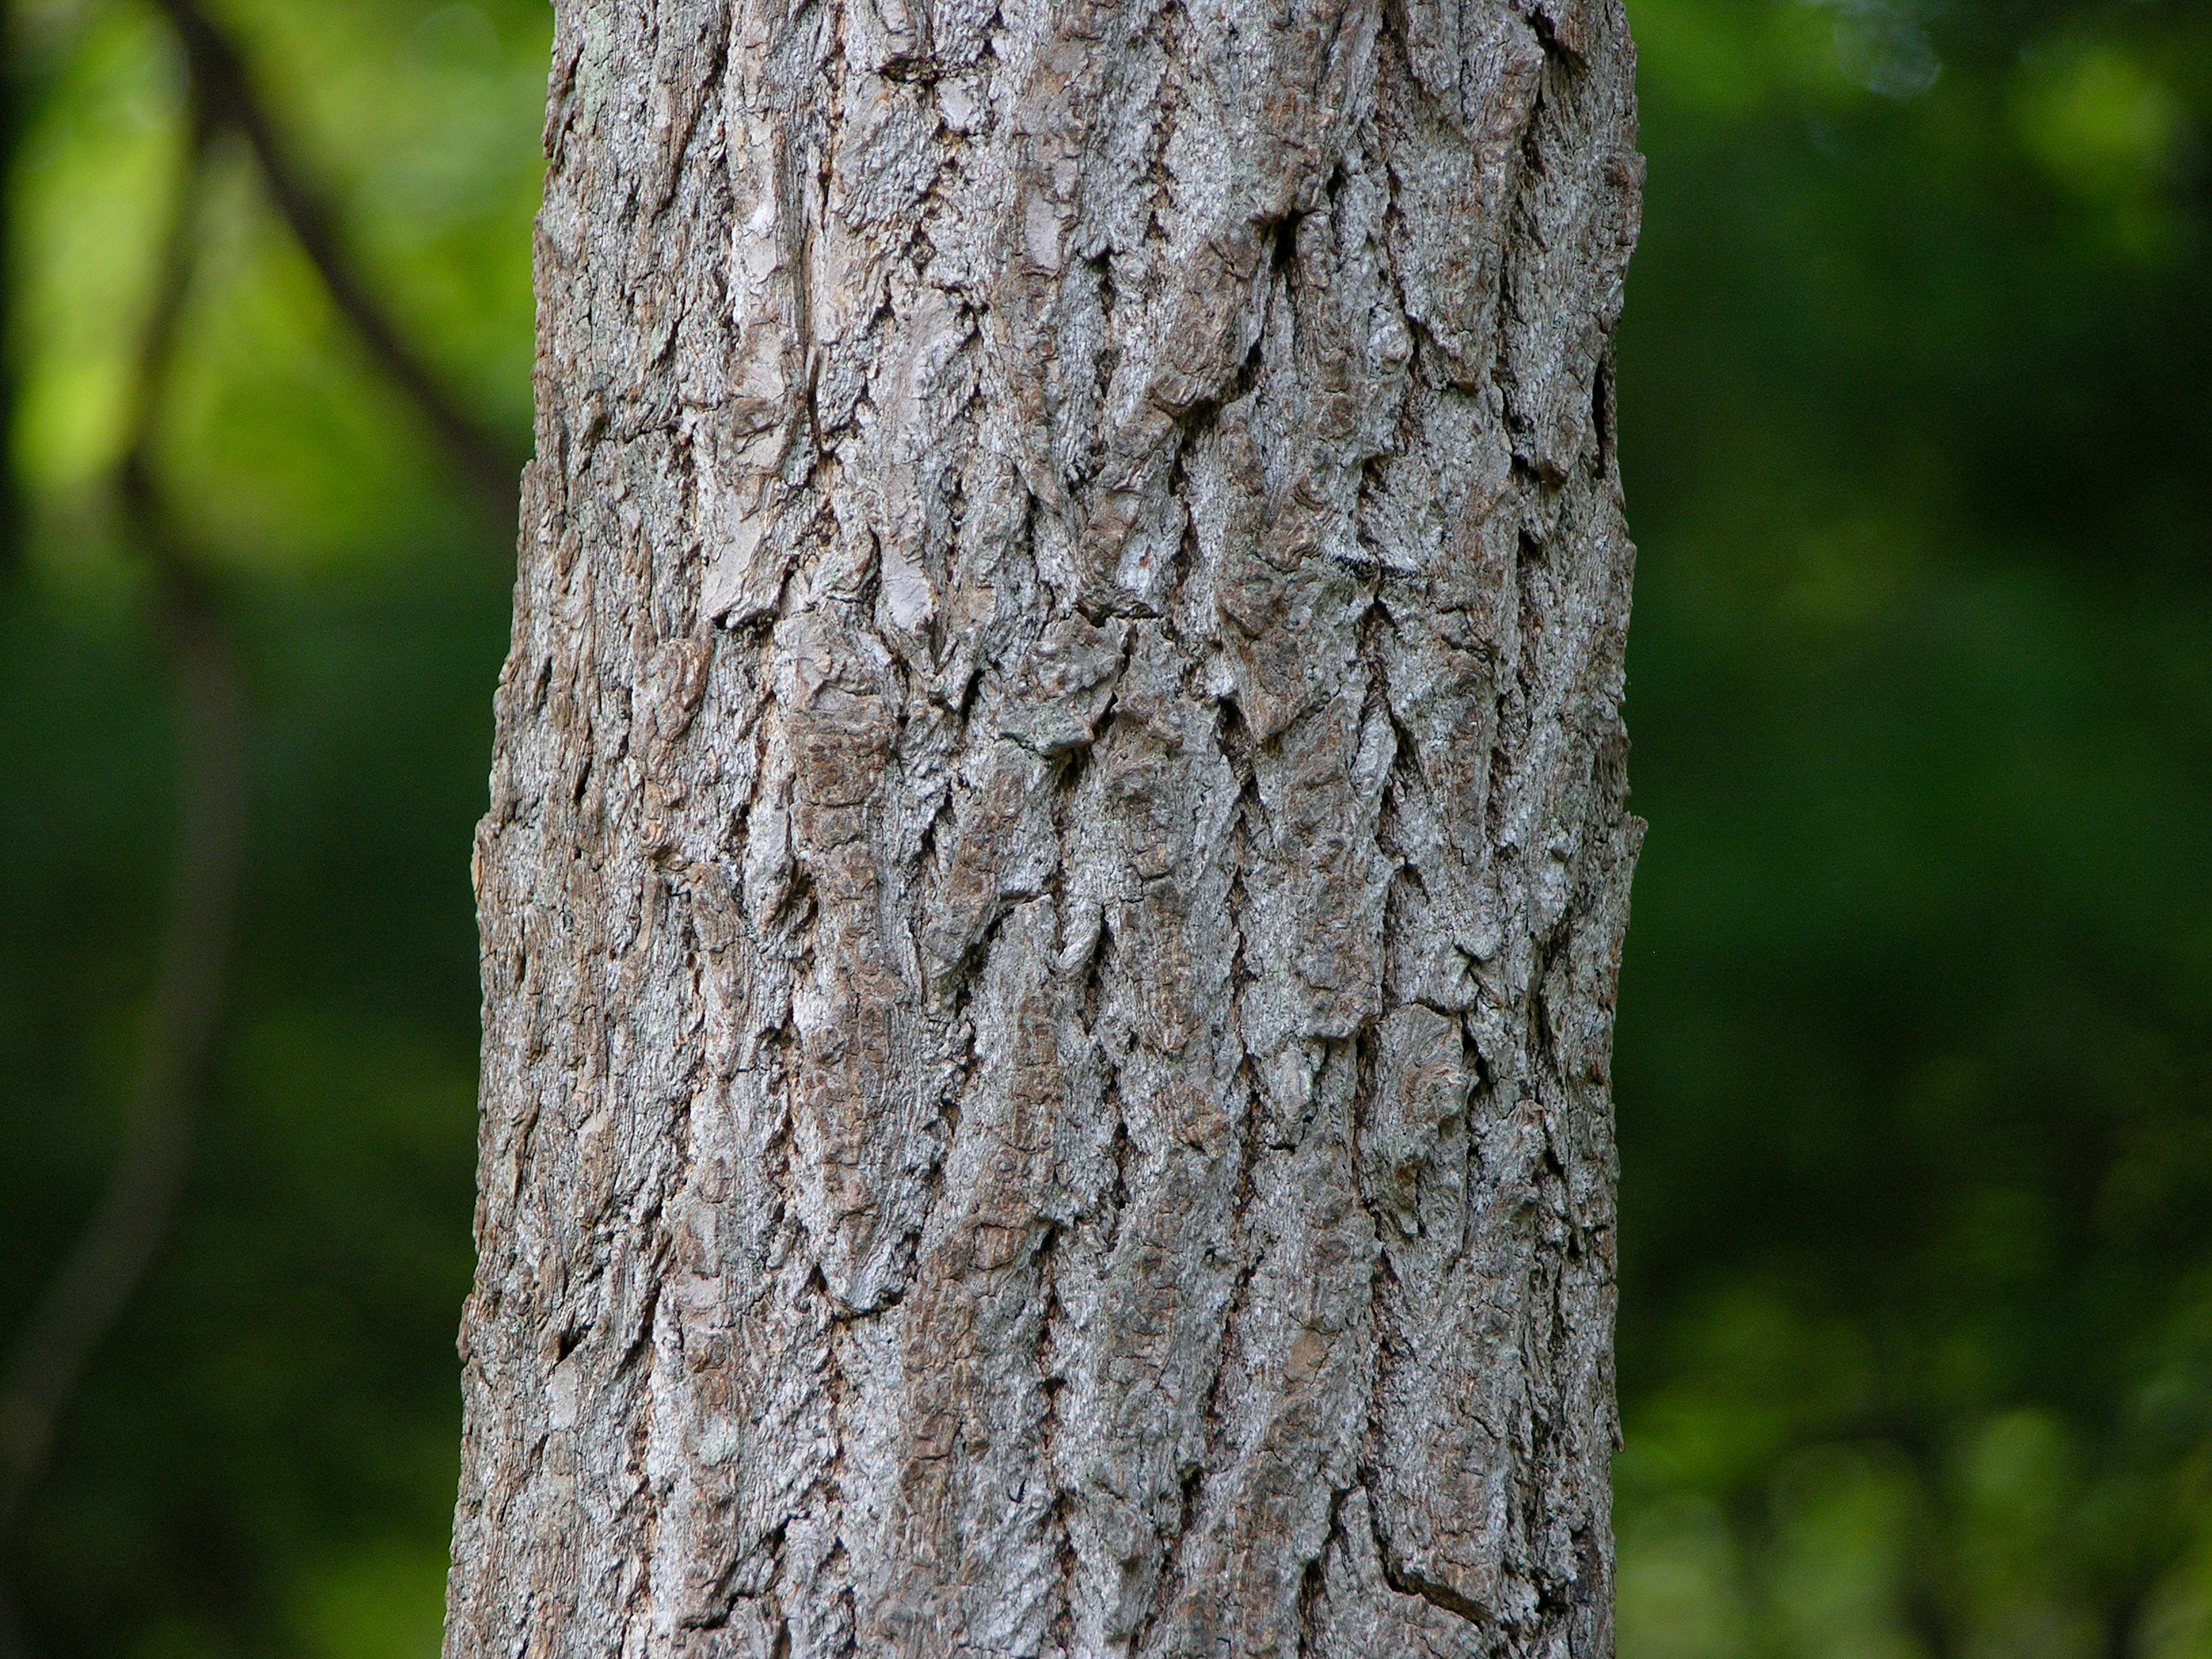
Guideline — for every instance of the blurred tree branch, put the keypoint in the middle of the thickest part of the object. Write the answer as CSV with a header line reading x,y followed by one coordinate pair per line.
x,y
111,1256
490,465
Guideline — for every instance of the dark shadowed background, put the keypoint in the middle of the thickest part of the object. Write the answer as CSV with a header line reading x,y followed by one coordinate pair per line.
x,y
1914,1061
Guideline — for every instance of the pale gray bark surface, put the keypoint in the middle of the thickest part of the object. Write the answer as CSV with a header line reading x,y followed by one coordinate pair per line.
x,y
1058,856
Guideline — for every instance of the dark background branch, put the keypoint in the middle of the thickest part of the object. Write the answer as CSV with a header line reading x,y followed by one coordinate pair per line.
x,y
110,1257
488,464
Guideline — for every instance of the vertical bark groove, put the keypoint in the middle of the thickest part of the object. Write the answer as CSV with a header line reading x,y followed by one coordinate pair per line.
x,y
1058,850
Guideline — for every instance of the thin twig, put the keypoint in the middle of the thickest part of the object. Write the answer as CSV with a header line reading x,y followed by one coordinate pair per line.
x,y
490,465
119,1243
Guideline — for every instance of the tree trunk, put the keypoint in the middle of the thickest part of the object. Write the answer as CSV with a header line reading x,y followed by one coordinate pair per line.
x,y
1057,856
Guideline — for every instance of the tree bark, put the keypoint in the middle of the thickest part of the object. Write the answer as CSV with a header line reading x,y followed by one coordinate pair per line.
x,y
1057,856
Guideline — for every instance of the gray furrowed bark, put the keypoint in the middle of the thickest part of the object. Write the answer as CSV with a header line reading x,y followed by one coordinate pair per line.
x,y
1058,851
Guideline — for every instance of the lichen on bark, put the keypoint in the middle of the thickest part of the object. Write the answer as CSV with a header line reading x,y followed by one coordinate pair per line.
x,y
1058,851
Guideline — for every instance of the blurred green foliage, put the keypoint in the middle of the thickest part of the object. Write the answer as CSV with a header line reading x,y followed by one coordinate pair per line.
x,y
1915,1068
1914,1084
